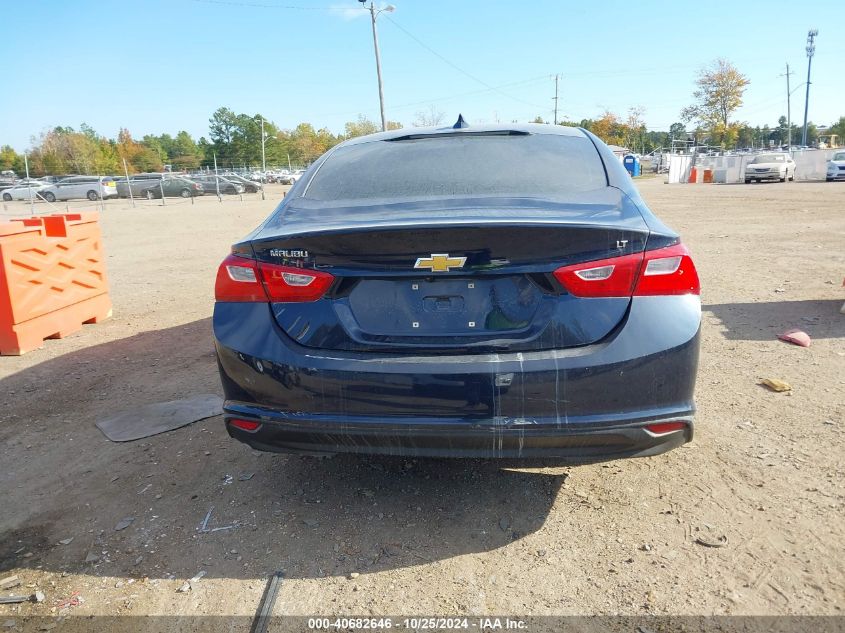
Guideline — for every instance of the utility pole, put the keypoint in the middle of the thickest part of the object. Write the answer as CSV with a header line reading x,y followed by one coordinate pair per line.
x,y
373,15
557,78
788,109
378,66
811,49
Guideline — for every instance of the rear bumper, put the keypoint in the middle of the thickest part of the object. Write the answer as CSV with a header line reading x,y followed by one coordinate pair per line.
x,y
581,404
440,437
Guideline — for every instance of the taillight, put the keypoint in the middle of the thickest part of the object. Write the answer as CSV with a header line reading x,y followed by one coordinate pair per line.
x,y
245,425
664,271
238,280
614,277
668,271
659,428
242,279
285,283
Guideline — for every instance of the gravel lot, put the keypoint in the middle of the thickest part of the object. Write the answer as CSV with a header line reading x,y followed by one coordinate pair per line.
x,y
430,536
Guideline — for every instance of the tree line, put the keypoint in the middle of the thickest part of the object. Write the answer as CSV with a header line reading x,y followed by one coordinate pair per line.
x,y
234,140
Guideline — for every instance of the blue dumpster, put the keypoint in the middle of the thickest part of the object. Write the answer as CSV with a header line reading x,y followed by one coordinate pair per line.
x,y
632,164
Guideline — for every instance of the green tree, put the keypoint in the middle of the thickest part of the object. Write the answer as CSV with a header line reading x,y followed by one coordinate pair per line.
x,y
838,128
633,130
148,155
766,135
718,94
185,152
361,127
157,144
745,136
10,159
780,132
222,131
678,131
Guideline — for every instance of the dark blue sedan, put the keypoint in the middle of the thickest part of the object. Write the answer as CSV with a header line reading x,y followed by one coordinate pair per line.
x,y
490,291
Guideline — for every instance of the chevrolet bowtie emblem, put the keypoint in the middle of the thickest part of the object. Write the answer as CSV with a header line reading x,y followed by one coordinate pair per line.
x,y
440,262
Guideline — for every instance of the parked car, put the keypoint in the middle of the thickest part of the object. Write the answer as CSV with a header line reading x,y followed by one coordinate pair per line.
x,y
210,186
54,179
78,187
23,190
518,300
290,179
138,183
836,167
770,166
6,183
173,188
248,185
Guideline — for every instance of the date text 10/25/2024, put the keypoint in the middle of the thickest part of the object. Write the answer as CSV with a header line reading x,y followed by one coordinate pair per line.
x,y
418,624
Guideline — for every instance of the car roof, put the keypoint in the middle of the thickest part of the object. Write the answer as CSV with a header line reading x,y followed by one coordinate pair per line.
x,y
518,128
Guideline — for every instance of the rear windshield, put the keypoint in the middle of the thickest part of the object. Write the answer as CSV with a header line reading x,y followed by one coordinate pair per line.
x,y
452,165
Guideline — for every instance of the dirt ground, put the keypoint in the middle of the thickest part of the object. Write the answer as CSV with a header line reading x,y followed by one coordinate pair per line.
x,y
436,537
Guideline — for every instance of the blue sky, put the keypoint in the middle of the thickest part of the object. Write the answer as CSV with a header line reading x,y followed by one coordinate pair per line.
x,y
159,66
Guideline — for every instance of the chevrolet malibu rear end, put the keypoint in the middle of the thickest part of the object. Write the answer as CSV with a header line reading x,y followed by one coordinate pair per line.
x,y
461,292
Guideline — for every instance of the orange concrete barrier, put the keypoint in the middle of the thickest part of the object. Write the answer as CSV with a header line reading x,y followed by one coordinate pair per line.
x,y
52,279
693,174
708,175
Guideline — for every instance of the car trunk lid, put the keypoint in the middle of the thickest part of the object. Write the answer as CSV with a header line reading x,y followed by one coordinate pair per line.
x,y
451,274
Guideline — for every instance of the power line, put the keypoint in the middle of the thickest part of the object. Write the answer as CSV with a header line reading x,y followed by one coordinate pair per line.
x,y
455,66
260,5
460,95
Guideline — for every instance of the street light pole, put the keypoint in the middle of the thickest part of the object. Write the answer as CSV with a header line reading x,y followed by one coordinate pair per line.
x,y
373,15
811,49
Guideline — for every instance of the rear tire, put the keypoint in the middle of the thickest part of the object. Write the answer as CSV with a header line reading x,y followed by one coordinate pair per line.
x,y
828,179
50,196
185,193
150,195
7,197
93,196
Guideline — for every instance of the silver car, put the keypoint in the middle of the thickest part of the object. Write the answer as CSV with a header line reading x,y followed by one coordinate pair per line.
x,y
778,166
211,184
836,167
138,183
78,187
24,190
